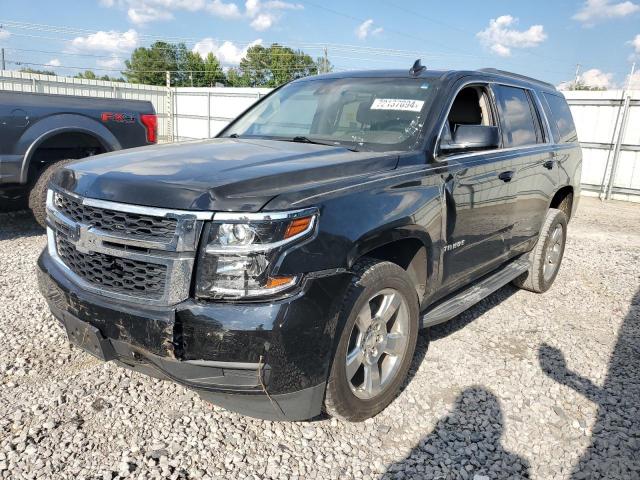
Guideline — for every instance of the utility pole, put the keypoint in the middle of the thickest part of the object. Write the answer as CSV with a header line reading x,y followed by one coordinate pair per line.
x,y
577,79
325,61
4,67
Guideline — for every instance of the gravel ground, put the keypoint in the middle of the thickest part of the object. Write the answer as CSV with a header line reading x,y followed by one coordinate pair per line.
x,y
522,385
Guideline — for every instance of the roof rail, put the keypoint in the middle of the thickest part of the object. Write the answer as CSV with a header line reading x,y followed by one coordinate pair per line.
x,y
495,71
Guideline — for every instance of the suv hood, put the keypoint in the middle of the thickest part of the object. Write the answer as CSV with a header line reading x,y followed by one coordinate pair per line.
x,y
220,174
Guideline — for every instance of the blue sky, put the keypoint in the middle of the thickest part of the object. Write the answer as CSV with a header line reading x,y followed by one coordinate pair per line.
x,y
545,39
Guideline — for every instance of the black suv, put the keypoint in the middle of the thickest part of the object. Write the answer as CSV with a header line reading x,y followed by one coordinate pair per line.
x,y
286,266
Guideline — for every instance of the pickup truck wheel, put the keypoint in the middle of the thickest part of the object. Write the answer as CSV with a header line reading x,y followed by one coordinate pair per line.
x,y
546,257
38,193
377,342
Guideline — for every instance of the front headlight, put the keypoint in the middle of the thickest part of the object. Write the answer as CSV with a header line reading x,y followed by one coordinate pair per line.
x,y
240,251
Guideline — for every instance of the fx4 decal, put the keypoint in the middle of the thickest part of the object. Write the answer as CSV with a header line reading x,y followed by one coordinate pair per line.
x,y
117,117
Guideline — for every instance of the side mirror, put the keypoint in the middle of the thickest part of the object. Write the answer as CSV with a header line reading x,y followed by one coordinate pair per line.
x,y
471,137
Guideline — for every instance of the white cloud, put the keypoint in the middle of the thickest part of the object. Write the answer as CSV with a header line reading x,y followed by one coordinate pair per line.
x,y
145,14
263,21
4,34
366,29
112,63
597,10
228,53
111,41
264,15
501,36
594,78
597,78
635,43
224,10
260,15
633,81
54,62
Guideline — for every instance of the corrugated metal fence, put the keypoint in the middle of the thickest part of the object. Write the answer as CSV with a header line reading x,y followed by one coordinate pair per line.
x,y
608,126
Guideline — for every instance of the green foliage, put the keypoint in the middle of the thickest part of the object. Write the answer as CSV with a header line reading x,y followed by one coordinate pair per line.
x,y
584,86
90,75
261,67
271,66
148,65
41,72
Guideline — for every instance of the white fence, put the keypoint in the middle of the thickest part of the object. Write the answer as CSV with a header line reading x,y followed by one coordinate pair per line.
x,y
203,112
604,120
190,113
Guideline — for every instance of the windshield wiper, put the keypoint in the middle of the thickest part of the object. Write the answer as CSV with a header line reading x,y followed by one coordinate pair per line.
x,y
303,139
234,135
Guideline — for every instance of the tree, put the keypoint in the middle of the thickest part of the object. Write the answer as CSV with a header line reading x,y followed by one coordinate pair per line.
x,y
41,72
148,65
90,75
213,71
272,66
235,78
583,86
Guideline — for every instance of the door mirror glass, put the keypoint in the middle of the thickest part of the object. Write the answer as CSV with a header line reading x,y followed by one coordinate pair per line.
x,y
470,138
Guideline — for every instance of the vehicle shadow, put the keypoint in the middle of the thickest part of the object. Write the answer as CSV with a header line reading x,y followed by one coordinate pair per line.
x,y
468,316
615,440
465,444
20,224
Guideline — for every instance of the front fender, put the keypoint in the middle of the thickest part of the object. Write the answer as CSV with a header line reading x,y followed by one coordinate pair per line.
x,y
360,221
48,127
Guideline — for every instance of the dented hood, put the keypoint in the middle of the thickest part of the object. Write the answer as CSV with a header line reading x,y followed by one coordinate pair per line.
x,y
219,174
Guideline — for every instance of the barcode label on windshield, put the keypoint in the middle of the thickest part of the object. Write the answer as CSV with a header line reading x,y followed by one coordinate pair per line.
x,y
397,104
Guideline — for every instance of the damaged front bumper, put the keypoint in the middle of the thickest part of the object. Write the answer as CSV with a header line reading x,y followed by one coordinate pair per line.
x,y
267,360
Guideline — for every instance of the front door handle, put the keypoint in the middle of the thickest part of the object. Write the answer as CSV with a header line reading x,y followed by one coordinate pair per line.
x,y
548,164
506,176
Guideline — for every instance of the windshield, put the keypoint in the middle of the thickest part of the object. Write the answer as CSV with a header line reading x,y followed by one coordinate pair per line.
x,y
380,114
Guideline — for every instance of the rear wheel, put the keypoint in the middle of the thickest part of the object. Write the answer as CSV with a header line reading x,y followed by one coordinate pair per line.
x,y
546,257
377,343
38,193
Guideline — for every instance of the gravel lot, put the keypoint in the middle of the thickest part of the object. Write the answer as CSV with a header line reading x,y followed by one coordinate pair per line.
x,y
522,385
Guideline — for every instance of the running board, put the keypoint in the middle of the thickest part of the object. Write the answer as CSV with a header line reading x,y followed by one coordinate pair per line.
x,y
457,304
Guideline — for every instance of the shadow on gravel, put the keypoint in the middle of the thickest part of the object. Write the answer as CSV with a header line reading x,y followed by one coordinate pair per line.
x,y
615,442
465,318
464,445
19,224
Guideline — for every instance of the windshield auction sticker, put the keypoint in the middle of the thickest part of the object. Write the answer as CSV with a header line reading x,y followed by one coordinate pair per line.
x,y
397,104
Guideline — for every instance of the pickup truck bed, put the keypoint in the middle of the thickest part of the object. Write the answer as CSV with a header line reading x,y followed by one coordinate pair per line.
x,y
39,130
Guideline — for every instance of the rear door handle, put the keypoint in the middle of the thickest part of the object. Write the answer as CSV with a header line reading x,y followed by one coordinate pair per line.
x,y
506,176
548,164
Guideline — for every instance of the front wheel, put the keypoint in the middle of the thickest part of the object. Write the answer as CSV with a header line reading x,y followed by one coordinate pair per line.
x,y
377,343
38,193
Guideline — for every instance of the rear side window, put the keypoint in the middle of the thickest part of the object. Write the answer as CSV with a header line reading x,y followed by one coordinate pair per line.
x,y
519,124
561,118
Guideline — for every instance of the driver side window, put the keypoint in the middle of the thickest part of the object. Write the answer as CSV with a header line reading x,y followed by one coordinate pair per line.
x,y
470,107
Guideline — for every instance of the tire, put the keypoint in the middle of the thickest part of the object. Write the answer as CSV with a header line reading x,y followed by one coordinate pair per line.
x,y
38,193
378,286
547,253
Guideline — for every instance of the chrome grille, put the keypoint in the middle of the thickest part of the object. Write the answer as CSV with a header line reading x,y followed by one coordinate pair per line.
x,y
132,277
121,223
138,254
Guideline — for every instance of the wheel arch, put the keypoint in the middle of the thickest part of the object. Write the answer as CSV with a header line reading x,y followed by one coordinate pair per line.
x,y
409,249
51,127
563,199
